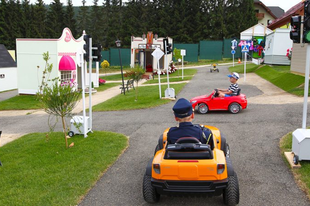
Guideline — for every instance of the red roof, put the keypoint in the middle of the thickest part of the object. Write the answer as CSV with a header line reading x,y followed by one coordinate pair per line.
x,y
298,9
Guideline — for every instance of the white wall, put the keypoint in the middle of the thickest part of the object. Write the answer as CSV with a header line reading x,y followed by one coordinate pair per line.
x,y
29,58
8,78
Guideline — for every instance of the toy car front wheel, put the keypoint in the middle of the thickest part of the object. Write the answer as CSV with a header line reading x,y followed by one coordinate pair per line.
x,y
217,70
211,70
203,108
234,108
149,192
295,159
71,134
231,193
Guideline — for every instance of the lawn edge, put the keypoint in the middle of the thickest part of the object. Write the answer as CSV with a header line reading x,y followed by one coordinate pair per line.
x,y
296,176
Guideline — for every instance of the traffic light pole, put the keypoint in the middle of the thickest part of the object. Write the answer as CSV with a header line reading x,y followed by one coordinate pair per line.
x,y
89,84
306,88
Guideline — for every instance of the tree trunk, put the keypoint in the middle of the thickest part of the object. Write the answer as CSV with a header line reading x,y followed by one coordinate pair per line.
x,y
64,130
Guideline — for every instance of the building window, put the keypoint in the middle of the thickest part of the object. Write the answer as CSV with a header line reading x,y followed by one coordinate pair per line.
x,y
66,76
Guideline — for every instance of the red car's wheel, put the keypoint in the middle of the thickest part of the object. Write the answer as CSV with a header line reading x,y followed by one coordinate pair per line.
x,y
203,108
234,108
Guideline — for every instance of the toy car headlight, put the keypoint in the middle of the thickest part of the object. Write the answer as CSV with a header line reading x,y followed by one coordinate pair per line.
x,y
220,168
193,102
156,168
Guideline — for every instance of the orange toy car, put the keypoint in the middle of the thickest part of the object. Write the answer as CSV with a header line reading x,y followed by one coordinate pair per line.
x,y
189,167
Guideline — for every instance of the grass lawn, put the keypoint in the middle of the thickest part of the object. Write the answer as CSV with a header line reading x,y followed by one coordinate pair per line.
x,y
106,86
209,62
148,96
40,172
113,77
24,102
239,68
282,78
20,102
164,79
302,175
174,77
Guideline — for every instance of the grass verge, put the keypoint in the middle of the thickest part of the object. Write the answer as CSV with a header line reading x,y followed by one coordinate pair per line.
x,y
20,102
148,97
240,68
106,86
40,172
282,78
25,102
302,175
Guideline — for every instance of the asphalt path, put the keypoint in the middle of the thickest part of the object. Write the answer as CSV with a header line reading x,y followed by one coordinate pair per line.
x,y
253,136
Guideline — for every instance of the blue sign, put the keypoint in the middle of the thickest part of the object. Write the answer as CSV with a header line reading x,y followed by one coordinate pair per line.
x,y
245,48
233,52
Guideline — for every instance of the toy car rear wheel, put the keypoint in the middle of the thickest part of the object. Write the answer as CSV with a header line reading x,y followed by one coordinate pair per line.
x,y
231,192
217,70
211,70
234,108
295,159
149,192
203,108
71,134
156,149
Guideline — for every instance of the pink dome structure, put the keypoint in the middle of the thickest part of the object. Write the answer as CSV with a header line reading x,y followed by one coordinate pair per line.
x,y
66,64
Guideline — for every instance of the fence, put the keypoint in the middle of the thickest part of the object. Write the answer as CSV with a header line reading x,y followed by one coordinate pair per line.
x,y
216,50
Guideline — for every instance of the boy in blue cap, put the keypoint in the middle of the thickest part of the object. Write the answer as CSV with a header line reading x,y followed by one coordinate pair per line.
x,y
183,113
233,88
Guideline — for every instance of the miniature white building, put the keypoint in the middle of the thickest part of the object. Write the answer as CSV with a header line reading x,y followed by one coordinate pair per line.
x,y
277,44
62,52
8,70
142,48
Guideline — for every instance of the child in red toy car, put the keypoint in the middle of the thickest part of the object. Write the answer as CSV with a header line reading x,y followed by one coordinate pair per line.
x,y
232,89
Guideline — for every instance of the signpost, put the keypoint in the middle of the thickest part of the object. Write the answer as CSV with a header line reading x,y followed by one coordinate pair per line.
x,y
183,53
157,54
245,50
233,46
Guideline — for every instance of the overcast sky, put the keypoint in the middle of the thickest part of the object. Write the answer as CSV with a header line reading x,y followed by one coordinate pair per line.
x,y
284,4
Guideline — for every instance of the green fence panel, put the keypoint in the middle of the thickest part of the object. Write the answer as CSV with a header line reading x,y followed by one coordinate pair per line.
x,y
114,57
211,50
105,55
191,51
227,49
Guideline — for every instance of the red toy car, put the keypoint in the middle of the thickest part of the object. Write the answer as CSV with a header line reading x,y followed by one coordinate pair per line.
x,y
206,103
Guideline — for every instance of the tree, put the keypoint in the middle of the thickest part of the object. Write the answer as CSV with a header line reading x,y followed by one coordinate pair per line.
x,y
39,20
57,98
55,20
96,30
70,21
26,20
136,74
83,22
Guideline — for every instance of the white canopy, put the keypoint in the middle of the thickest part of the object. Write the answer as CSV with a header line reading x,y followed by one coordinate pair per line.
x,y
257,30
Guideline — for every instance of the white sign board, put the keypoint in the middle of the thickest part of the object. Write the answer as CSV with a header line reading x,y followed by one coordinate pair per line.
x,y
183,52
157,53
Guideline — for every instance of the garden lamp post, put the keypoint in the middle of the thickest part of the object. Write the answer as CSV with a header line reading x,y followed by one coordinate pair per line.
x,y
118,44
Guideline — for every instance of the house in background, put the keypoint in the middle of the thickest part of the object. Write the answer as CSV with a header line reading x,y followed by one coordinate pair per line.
x,y
266,15
298,60
8,70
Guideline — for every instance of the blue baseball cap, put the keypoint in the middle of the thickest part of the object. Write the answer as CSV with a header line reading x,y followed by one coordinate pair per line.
x,y
182,108
234,75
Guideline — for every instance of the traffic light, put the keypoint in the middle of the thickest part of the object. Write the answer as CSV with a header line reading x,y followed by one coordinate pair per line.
x,y
167,46
307,21
295,29
86,47
97,52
